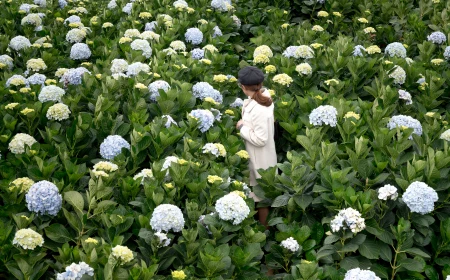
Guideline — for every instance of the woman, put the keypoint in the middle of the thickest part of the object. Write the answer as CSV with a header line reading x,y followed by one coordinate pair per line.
x,y
257,128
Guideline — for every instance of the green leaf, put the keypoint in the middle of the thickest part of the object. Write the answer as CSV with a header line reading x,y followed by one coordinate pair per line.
x,y
417,252
281,200
58,233
103,206
303,201
75,199
412,265
369,249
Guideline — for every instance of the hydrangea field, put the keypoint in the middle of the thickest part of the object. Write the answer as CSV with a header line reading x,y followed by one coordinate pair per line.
x,y
120,157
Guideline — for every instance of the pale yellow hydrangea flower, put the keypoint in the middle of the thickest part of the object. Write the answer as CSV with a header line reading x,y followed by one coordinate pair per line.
x,y
214,178
351,114
122,253
270,69
220,78
243,154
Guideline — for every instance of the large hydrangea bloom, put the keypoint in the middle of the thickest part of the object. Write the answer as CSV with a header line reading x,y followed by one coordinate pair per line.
x,y
232,207
205,118
167,217
43,198
112,146
194,36
324,114
420,198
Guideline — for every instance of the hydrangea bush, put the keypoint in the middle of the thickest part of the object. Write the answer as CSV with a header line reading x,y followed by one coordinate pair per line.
x,y
120,159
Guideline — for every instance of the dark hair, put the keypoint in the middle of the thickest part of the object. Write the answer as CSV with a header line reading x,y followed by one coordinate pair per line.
x,y
258,96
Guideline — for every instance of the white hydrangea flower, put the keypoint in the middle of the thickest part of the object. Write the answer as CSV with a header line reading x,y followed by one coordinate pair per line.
x,y
395,49
58,112
51,93
232,207
324,114
403,94
142,45
163,239
178,46
291,244
167,162
360,274
72,19
119,66
76,35
304,69
130,33
112,5
19,43
445,135
348,218
167,217
387,192
399,75
149,35
28,239
18,142
420,198
122,253
170,121
135,68
405,121
32,19
145,173
180,4
304,51
80,51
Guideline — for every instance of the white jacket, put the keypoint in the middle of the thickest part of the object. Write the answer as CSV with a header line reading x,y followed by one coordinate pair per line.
x,y
258,133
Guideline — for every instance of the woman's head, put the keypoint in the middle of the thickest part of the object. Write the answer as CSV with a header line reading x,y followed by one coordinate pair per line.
x,y
250,81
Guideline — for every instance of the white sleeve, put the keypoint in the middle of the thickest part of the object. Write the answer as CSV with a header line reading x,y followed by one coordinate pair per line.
x,y
257,136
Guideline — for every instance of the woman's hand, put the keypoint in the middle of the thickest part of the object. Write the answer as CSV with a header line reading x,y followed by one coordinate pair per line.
x,y
239,123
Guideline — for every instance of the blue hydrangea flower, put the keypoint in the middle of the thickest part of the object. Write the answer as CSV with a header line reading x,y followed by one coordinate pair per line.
x,y
155,86
409,122
112,4
112,146
395,49
447,53
324,114
357,50
202,90
72,19
194,36
437,37
197,53
221,5
150,26
80,51
73,76
36,79
237,103
15,79
43,198
217,32
420,198
62,4
127,9
290,51
204,117
75,272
